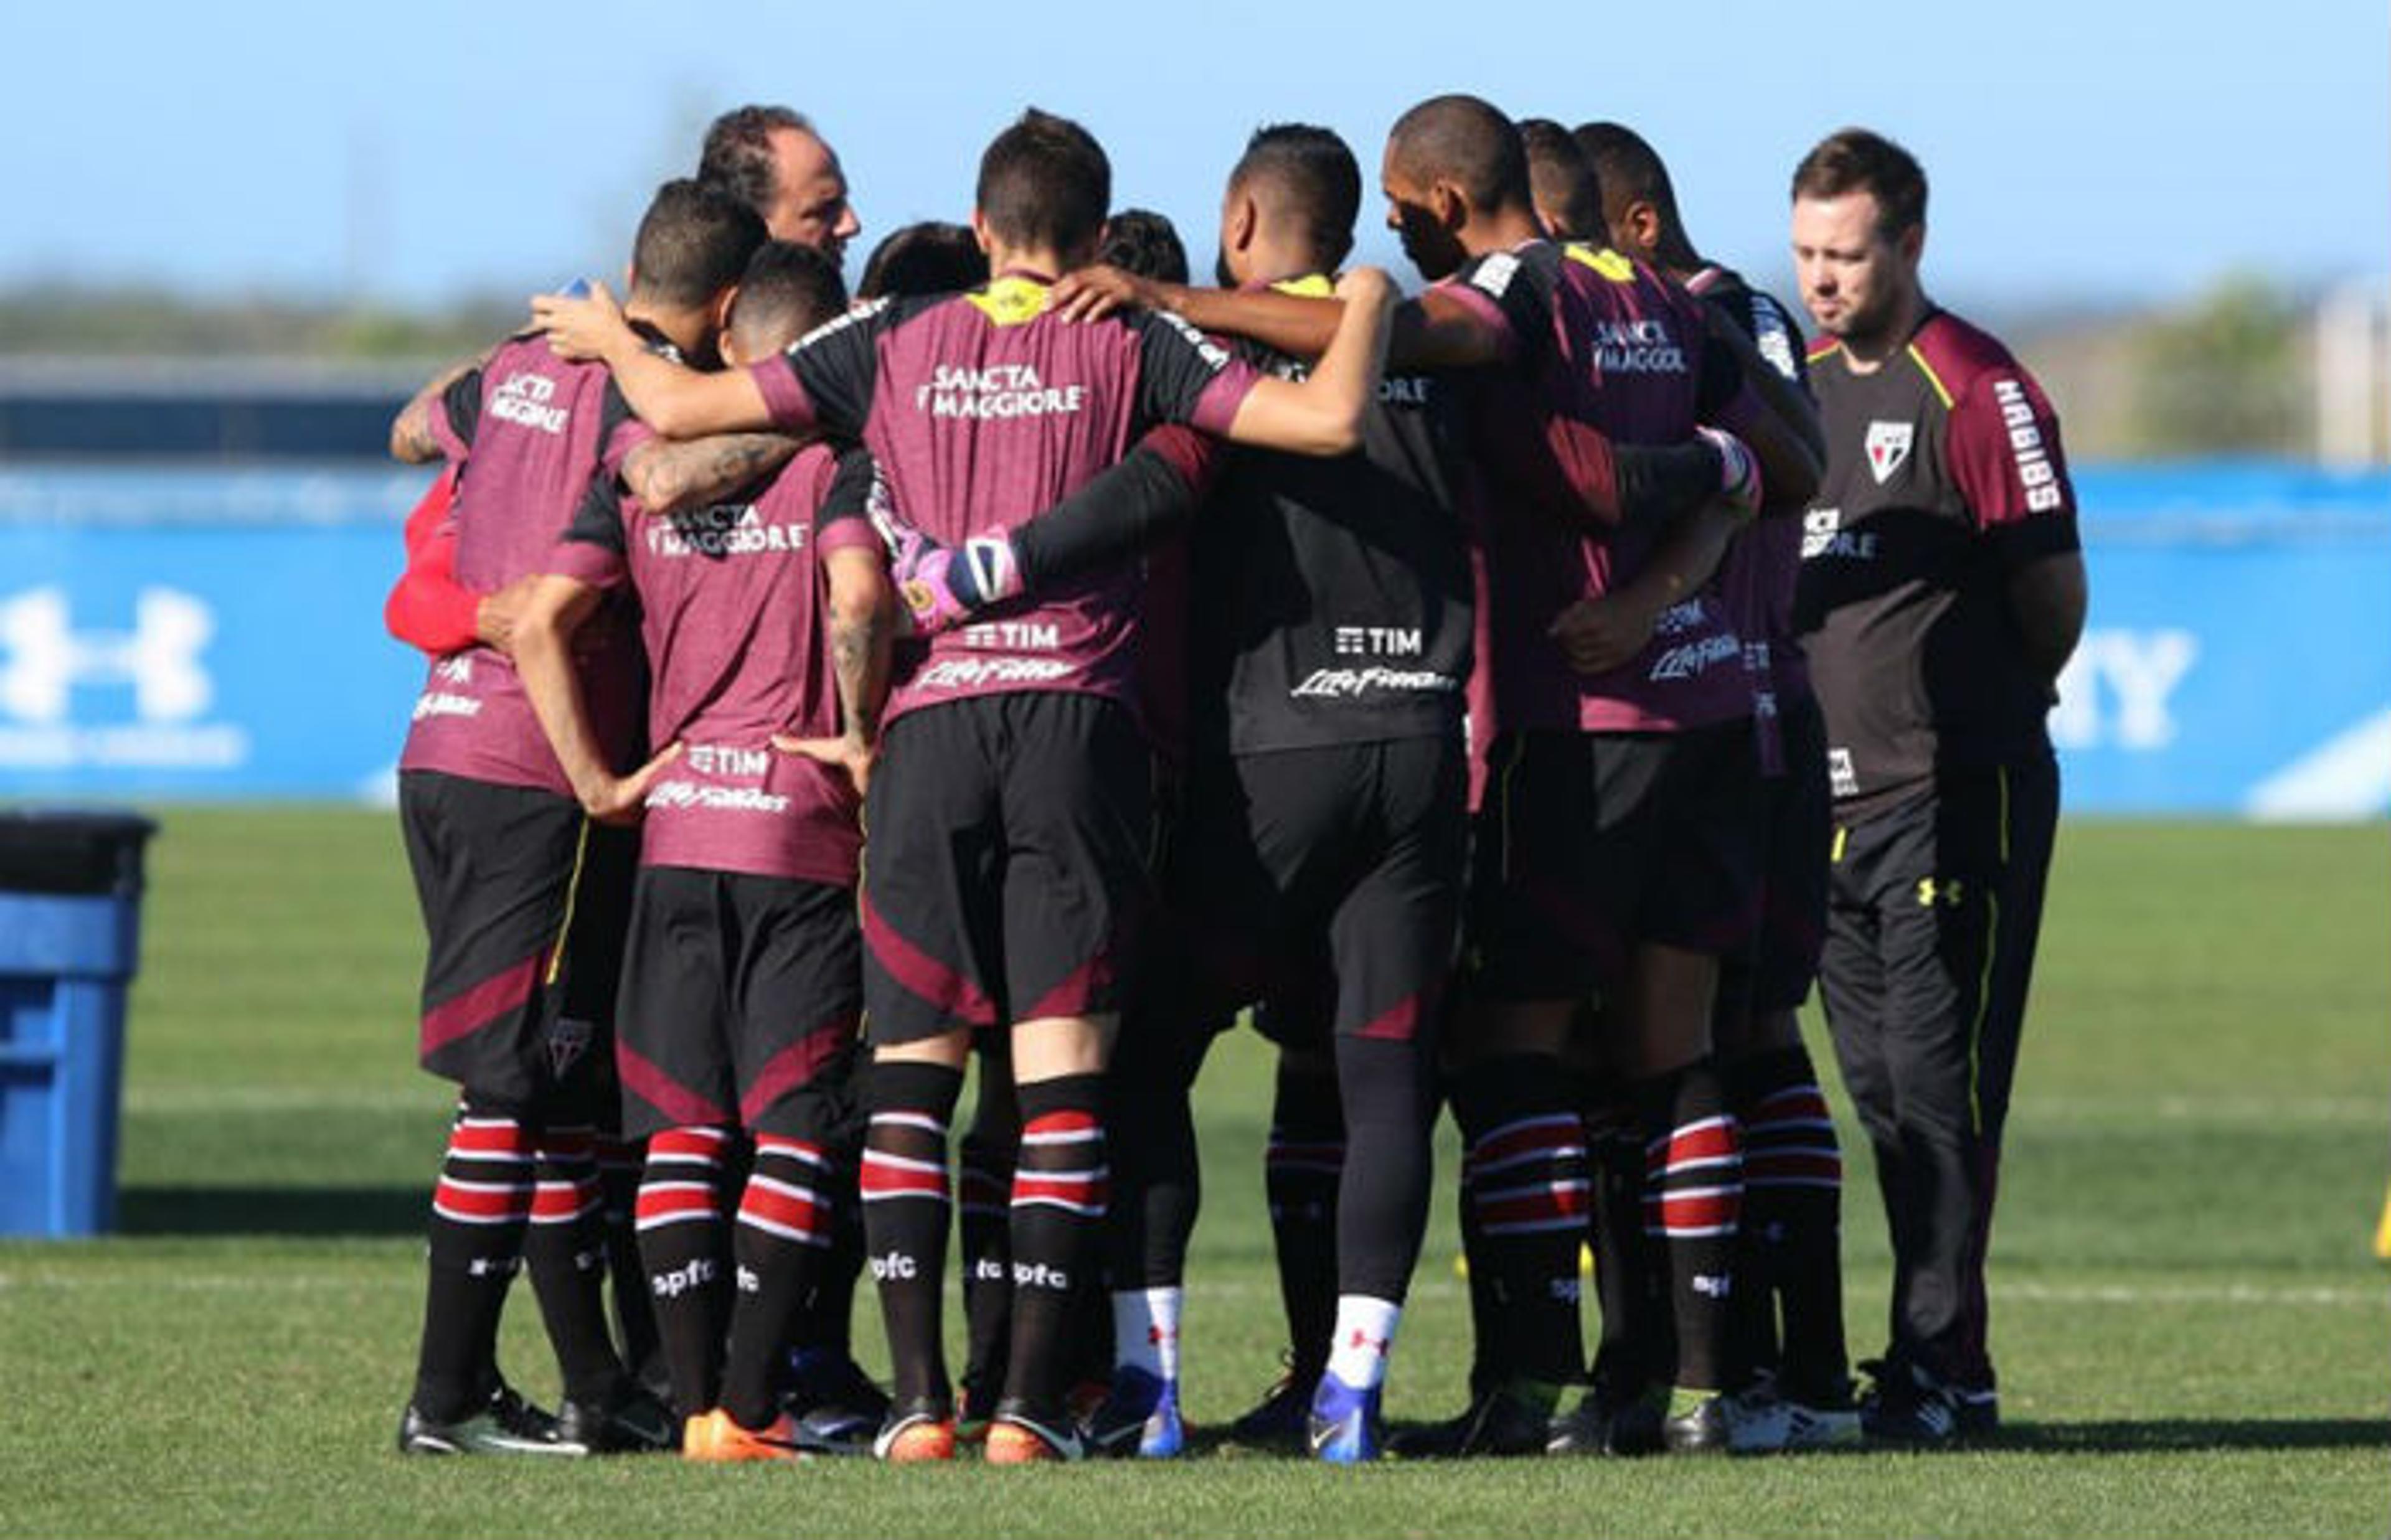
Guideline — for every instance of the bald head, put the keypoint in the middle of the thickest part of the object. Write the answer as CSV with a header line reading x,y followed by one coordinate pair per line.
x,y
1464,141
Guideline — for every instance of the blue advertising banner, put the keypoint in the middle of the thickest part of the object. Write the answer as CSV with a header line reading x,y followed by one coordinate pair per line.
x,y
213,633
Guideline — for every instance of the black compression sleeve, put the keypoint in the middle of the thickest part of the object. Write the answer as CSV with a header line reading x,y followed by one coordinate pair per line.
x,y
1114,517
1658,483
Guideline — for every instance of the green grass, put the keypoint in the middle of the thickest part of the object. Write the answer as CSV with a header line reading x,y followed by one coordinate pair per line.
x,y
2193,1336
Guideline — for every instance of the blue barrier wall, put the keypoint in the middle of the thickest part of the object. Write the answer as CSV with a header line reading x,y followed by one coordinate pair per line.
x,y
219,633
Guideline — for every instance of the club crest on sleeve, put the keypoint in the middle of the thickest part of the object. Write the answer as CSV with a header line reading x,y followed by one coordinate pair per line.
x,y
1888,447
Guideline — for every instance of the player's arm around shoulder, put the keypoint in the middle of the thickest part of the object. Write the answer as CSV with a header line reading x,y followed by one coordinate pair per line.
x,y
1323,414
677,401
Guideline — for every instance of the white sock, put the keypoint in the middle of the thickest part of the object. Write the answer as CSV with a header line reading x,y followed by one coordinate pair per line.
x,y
1364,1335
1145,1330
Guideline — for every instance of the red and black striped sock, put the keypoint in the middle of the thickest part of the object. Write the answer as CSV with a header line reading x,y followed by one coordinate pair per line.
x,y
1693,1195
1300,1170
783,1230
565,1250
479,1212
1061,1185
1792,1213
682,1246
904,1188
1529,1193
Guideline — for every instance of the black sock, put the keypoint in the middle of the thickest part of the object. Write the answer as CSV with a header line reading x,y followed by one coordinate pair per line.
x,y
1386,1089
1634,1350
1792,1214
1157,1186
479,1212
984,1195
565,1252
1693,1194
681,1257
635,1320
1060,1187
1301,1171
1528,1191
904,1188
783,1229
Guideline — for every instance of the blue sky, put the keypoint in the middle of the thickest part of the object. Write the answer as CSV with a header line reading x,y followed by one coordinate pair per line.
x,y
2078,150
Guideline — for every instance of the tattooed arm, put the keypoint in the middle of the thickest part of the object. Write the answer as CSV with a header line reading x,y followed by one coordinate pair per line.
x,y
863,633
671,476
414,437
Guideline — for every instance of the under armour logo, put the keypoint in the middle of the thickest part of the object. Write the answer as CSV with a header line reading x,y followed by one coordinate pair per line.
x,y
1930,893
159,657
1362,1339
1158,1335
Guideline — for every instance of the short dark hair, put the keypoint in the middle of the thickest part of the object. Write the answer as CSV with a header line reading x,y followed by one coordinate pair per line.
x,y
788,291
694,243
1858,159
1560,177
1464,140
738,154
1316,170
1044,182
929,257
1145,243
1627,168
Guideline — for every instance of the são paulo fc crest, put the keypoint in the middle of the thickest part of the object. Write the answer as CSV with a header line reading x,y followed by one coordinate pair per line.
x,y
1888,447
568,1040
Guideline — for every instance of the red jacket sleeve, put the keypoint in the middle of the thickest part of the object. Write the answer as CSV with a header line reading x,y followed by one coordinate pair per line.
x,y
428,609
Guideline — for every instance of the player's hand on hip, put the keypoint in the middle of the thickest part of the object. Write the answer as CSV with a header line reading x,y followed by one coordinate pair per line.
x,y
1599,634
623,799
1093,293
496,616
848,755
581,327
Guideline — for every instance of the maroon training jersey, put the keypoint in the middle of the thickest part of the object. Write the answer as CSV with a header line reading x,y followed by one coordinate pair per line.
x,y
1943,476
530,431
1763,563
732,616
1597,338
983,410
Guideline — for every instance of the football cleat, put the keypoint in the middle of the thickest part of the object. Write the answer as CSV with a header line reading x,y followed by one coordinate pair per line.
x,y
915,1434
1603,1424
506,1424
1907,1404
837,1406
1343,1426
1698,1422
631,1421
1019,1436
1504,1421
1282,1418
1139,1416
714,1438
1827,1420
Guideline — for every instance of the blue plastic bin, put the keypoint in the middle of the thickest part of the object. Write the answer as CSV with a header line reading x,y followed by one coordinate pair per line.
x,y
70,943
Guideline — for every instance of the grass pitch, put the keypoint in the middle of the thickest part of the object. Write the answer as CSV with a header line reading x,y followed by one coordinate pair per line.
x,y
2193,1336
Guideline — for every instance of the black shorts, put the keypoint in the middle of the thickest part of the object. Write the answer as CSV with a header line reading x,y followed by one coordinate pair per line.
x,y
523,904
1346,863
1774,970
1589,843
1007,872
740,999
